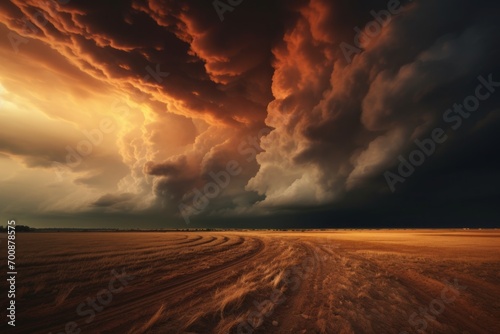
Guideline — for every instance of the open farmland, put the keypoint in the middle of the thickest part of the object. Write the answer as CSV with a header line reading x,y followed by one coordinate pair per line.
x,y
439,281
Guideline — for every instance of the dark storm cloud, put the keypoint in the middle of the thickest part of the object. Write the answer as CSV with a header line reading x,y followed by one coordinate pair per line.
x,y
118,41
337,123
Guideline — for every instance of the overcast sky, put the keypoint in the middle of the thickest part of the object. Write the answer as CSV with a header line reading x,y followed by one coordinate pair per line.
x,y
320,113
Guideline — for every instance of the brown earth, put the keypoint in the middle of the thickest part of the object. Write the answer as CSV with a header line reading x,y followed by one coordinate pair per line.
x,y
396,281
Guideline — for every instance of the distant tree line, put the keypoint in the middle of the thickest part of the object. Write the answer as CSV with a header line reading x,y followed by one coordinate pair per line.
x,y
19,228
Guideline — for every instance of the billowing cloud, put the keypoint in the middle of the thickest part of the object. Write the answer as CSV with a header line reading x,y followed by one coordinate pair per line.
x,y
339,123
144,105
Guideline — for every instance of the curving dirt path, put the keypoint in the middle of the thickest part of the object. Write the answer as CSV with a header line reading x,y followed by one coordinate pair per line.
x,y
352,290
146,295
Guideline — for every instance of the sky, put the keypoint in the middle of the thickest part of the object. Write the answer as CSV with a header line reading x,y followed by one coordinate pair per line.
x,y
239,113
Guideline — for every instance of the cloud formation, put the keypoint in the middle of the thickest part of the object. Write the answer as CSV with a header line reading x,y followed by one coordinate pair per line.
x,y
268,87
338,124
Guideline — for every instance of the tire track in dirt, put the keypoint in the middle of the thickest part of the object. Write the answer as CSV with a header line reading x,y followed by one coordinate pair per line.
x,y
207,242
198,237
188,255
459,312
43,310
58,259
175,288
135,305
356,304
295,313
337,297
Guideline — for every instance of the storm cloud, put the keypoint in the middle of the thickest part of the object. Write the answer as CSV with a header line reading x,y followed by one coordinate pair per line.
x,y
268,85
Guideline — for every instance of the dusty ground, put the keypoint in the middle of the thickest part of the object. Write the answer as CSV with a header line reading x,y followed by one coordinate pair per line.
x,y
405,281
